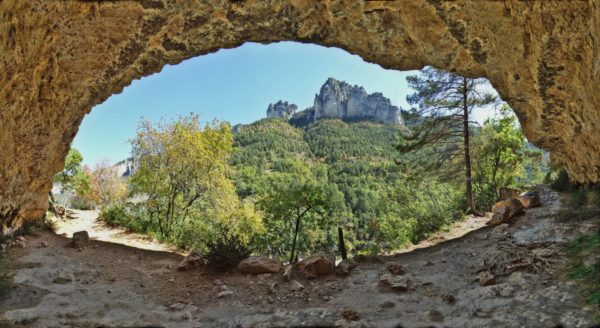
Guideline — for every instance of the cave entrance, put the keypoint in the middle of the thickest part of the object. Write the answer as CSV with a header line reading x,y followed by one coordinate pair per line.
x,y
345,137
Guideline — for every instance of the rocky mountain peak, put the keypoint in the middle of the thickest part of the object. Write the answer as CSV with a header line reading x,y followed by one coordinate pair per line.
x,y
281,109
338,99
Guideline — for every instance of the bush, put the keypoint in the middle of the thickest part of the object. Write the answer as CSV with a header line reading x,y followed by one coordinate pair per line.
x,y
225,249
129,216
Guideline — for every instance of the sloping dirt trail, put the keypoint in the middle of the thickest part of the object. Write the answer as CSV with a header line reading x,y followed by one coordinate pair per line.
x,y
113,285
98,230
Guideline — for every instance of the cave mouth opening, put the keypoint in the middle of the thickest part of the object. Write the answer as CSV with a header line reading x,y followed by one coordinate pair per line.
x,y
273,86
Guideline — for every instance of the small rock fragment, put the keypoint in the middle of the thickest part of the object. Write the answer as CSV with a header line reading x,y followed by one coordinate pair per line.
x,y
224,293
43,244
345,267
395,283
486,278
448,298
395,268
296,285
177,307
351,315
287,273
62,280
387,305
434,316
192,260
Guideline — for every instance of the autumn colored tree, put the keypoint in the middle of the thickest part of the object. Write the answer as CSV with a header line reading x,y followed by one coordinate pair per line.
x,y
182,166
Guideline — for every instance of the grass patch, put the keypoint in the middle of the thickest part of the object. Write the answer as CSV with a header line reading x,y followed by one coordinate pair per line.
x,y
582,204
584,267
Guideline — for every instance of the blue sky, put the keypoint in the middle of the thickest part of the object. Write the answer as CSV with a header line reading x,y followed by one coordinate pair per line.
x,y
234,85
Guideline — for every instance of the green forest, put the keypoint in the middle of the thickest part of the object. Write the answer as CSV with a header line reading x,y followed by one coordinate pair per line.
x,y
286,191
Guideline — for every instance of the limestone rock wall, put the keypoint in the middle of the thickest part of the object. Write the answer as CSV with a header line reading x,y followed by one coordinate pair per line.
x,y
281,109
60,58
338,99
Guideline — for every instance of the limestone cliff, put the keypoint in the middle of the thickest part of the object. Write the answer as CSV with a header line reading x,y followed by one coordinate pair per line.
x,y
282,110
338,99
60,58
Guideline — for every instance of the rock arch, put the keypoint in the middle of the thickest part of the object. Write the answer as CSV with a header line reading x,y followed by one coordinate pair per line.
x,y
60,58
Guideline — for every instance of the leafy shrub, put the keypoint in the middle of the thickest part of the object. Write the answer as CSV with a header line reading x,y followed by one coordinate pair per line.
x,y
129,216
225,249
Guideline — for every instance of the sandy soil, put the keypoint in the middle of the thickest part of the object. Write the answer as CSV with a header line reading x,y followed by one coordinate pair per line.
x,y
98,230
114,285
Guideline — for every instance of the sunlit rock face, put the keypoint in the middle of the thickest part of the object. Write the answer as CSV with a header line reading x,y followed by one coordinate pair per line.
x,y
60,58
281,109
338,99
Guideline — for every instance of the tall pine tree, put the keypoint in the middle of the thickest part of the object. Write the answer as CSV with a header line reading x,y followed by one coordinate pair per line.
x,y
439,132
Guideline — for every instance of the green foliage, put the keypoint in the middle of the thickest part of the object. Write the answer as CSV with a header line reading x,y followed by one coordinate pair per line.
x,y
498,157
352,166
443,102
335,140
584,267
182,171
225,249
74,179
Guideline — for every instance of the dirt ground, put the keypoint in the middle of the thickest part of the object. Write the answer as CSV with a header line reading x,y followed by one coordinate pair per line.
x,y
115,285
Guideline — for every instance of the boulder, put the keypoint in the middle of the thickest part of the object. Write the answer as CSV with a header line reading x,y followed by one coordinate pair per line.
x,y
317,265
504,211
192,260
530,199
343,268
80,239
259,265
508,193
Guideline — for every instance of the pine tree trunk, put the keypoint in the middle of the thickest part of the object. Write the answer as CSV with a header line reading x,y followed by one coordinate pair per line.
x,y
295,238
342,245
468,176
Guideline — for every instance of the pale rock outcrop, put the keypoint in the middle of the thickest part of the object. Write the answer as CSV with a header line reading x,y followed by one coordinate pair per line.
x,y
338,99
281,109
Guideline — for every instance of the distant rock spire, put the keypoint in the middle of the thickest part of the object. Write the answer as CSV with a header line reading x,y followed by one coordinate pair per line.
x,y
281,109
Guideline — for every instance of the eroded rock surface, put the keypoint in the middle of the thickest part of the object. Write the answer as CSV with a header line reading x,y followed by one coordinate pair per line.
x,y
60,58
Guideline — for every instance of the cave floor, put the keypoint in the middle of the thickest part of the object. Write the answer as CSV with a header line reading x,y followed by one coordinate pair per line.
x,y
114,285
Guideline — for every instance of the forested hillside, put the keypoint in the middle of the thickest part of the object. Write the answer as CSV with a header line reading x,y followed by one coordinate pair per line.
x,y
378,205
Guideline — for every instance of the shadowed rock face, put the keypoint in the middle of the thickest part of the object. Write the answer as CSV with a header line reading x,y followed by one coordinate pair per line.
x,y
60,58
